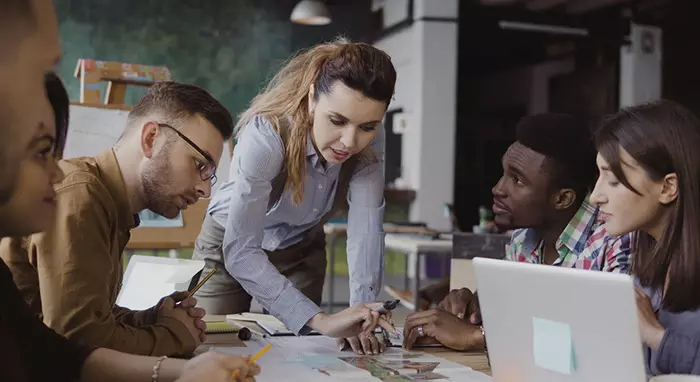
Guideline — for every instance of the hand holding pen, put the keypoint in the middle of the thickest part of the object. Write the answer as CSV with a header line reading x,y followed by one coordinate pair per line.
x,y
183,307
377,315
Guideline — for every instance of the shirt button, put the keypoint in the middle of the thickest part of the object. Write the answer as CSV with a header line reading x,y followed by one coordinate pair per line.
x,y
315,209
320,186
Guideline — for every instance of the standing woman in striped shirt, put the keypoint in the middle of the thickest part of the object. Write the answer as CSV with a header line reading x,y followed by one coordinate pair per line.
x,y
310,142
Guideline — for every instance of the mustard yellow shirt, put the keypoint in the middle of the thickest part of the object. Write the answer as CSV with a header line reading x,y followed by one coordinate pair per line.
x,y
71,274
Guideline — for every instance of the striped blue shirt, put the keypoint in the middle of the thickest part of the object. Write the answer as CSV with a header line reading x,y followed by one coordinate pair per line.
x,y
240,205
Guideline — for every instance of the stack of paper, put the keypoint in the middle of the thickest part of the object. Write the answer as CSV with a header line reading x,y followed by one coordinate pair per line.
x,y
268,323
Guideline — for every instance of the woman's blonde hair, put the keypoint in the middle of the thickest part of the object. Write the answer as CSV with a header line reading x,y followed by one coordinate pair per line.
x,y
284,101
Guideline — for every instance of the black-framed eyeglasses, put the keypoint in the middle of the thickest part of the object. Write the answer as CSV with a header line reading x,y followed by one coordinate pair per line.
x,y
207,171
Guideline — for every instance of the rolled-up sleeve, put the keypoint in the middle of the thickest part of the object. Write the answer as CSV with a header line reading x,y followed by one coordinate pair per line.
x,y
257,160
365,245
678,353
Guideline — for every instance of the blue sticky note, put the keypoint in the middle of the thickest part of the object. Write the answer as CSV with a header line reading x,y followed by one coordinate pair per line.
x,y
552,345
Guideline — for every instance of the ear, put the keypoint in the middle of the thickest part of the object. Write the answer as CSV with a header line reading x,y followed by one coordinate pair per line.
x,y
149,131
312,99
669,189
564,198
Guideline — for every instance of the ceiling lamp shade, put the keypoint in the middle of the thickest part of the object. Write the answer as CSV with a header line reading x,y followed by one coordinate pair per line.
x,y
311,12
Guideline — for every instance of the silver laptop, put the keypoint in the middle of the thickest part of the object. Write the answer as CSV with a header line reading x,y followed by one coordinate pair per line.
x,y
546,323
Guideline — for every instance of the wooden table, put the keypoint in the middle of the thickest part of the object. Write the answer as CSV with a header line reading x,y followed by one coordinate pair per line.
x,y
475,360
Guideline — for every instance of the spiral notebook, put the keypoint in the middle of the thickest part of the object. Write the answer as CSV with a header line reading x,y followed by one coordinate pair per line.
x,y
220,327
218,324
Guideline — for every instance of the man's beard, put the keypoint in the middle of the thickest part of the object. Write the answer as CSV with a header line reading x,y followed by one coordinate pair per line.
x,y
155,180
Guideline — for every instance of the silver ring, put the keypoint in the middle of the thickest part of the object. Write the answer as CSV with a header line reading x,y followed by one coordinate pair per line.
x,y
420,331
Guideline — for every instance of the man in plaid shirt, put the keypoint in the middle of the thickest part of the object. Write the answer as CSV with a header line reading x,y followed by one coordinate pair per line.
x,y
547,174
583,244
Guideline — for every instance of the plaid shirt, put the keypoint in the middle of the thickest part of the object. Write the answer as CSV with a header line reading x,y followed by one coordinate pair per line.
x,y
584,244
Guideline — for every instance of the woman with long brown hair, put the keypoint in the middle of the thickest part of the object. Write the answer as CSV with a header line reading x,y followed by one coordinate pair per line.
x,y
310,142
649,161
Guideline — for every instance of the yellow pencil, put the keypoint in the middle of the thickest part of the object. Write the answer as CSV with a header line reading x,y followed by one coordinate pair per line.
x,y
202,282
255,357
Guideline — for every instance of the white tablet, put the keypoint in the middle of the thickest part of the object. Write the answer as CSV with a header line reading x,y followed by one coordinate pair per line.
x,y
148,279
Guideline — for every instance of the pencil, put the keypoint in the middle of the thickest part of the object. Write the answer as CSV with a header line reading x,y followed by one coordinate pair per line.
x,y
255,357
260,353
199,285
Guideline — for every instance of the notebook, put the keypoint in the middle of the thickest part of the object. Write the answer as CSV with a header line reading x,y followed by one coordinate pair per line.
x,y
218,324
220,327
268,323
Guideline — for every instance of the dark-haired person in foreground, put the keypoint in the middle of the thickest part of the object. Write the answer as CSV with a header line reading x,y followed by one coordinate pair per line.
x,y
165,160
547,175
29,48
650,184
29,350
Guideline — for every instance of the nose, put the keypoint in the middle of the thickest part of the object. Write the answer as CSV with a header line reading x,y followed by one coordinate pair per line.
x,y
203,188
498,190
55,172
349,138
597,196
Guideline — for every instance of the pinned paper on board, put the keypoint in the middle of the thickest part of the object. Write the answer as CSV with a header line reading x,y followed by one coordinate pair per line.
x,y
553,347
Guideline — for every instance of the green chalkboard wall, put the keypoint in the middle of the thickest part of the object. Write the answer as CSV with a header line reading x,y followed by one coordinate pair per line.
x,y
229,47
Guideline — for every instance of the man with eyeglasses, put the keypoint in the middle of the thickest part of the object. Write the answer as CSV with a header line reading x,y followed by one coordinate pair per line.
x,y
164,161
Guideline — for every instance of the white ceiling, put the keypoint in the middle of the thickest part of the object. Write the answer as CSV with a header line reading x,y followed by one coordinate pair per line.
x,y
570,6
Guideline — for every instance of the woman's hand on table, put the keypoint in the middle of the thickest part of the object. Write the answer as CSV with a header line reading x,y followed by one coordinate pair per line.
x,y
355,325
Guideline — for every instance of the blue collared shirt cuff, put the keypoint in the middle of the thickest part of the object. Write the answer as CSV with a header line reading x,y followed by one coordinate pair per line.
x,y
294,310
366,262
365,248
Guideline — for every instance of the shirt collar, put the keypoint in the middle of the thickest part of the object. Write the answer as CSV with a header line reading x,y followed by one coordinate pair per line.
x,y
111,175
312,155
575,234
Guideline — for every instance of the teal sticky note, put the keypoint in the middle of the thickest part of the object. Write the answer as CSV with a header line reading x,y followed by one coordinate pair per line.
x,y
553,347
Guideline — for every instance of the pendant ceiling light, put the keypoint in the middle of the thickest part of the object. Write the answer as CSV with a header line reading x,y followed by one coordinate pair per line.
x,y
311,12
